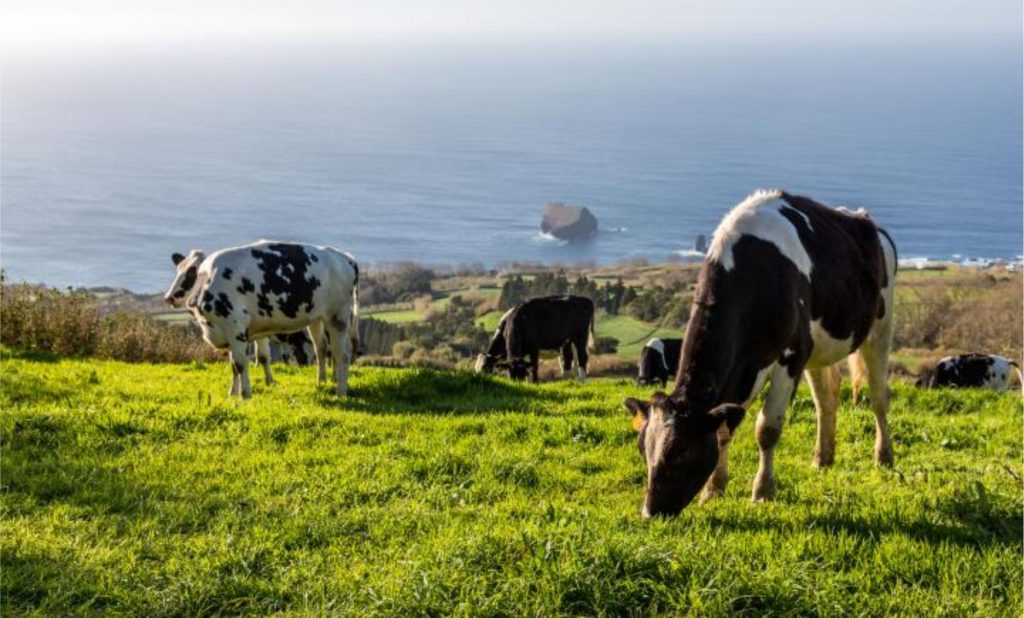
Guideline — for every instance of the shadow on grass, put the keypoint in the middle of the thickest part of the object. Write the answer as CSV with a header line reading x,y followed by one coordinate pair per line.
x,y
989,526
36,356
428,391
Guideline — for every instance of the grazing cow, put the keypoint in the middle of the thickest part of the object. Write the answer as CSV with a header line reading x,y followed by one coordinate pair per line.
x,y
971,371
658,361
294,347
560,323
788,285
247,293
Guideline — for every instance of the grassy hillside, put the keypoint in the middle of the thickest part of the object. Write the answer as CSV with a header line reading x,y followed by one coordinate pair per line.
x,y
140,489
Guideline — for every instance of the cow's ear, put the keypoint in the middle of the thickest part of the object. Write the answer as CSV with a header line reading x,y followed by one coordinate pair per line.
x,y
640,411
728,413
177,258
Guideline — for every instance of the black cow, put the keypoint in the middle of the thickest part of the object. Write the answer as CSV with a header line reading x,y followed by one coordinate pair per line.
x,y
295,347
560,323
788,285
970,371
658,360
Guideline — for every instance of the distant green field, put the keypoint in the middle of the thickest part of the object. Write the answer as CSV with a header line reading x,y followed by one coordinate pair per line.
x,y
173,317
439,304
398,317
489,321
142,490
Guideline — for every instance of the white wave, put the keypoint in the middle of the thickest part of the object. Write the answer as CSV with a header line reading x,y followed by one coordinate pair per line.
x,y
548,239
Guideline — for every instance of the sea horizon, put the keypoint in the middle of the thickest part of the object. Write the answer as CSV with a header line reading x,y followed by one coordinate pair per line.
x,y
113,162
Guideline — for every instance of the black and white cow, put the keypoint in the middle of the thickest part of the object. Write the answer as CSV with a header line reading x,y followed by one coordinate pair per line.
x,y
788,285
248,293
659,360
971,371
564,323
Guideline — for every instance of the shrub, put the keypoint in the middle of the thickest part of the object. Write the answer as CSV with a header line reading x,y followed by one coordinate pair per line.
x,y
605,345
403,282
38,319
403,349
71,324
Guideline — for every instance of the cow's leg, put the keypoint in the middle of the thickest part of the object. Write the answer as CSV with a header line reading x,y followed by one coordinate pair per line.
x,y
769,429
715,486
567,360
858,374
875,353
317,334
582,357
240,369
719,479
263,356
236,381
341,352
824,383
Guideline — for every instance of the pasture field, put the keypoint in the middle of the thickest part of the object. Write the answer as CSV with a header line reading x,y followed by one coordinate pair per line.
x,y
142,490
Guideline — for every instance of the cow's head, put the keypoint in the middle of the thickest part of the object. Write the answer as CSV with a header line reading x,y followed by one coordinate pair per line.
x,y
925,378
485,363
646,368
186,275
680,446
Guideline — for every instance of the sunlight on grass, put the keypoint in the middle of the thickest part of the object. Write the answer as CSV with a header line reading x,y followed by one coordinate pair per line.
x,y
143,490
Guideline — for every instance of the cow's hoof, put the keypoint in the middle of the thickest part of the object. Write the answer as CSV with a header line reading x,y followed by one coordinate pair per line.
x,y
884,457
823,460
763,491
710,493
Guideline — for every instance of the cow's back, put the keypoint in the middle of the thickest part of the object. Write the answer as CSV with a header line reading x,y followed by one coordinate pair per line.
x,y
849,267
547,323
277,286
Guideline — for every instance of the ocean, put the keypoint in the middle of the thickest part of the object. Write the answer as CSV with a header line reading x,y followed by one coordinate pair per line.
x,y
110,162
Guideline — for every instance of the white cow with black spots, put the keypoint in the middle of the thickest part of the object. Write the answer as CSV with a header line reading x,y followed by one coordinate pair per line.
x,y
248,293
971,371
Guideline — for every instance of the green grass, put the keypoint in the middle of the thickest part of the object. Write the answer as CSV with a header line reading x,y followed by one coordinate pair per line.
x,y
489,321
173,317
143,490
488,292
439,304
398,317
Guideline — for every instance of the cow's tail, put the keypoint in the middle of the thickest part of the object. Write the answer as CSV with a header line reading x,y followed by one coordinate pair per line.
x,y
858,375
354,332
590,333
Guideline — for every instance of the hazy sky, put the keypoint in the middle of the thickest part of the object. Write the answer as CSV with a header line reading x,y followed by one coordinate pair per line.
x,y
49,25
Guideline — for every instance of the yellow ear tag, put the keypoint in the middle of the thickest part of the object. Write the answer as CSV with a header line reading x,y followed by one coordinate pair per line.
x,y
638,421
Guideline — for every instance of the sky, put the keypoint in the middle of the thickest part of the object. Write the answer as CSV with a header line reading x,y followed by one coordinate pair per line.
x,y
54,25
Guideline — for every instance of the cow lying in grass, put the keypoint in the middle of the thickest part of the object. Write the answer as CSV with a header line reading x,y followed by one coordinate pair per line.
x,y
788,285
248,293
971,371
